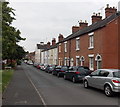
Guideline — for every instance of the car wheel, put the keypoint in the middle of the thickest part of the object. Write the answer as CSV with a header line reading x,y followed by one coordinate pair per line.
x,y
73,80
65,77
86,84
108,91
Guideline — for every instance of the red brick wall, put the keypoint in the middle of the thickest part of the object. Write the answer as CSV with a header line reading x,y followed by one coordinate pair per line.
x,y
105,43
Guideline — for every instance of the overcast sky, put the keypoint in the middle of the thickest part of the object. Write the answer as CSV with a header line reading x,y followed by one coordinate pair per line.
x,y
41,21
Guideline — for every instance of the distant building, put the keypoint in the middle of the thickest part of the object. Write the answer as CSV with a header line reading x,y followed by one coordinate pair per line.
x,y
38,49
50,55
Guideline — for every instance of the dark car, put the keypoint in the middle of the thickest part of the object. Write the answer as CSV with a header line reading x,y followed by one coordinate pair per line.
x,y
76,73
50,68
56,70
62,71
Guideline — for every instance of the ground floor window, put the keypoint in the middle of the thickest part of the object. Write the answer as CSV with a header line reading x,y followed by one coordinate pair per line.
x,y
71,62
82,59
77,60
98,60
91,63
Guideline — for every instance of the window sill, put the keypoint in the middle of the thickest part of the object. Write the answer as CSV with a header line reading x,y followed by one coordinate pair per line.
x,y
77,49
91,48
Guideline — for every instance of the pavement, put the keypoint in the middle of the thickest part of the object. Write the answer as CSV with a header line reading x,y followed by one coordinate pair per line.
x,y
20,91
31,86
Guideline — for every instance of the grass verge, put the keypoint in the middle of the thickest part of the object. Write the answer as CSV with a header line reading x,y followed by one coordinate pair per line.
x,y
6,77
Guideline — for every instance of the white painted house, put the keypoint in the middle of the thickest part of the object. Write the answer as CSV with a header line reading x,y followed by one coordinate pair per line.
x,y
38,49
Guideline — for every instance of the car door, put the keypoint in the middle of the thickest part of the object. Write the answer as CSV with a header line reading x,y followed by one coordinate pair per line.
x,y
93,78
102,78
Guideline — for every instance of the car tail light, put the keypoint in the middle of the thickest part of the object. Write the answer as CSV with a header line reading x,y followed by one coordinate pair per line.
x,y
62,71
115,81
77,72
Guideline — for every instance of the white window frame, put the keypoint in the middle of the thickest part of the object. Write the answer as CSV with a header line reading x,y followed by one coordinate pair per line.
x,y
91,61
59,47
65,44
98,60
91,40
77,60
77,43
82,59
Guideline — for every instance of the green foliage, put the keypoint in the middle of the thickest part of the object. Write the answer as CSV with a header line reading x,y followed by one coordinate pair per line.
x,y
10,35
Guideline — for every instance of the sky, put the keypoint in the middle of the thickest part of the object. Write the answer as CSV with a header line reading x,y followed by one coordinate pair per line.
x,y
43,20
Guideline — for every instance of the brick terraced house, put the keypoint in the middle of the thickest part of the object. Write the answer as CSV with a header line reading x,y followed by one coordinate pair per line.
x,y
96,46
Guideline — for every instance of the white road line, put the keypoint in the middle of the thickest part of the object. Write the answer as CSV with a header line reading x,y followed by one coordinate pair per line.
x,y
43,101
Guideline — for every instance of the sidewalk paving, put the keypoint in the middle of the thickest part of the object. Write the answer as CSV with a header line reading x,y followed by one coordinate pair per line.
x,y
20,91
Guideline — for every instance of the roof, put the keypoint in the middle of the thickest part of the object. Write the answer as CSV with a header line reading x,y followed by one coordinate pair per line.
x,y
41,46
92,27
51,47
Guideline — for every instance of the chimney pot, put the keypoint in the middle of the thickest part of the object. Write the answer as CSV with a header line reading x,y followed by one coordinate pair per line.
x,y
53,41
60,37
96,18
109,11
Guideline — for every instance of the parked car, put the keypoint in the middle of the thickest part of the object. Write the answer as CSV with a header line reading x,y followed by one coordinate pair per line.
x,y
35,64
76,73
29,62
104,79
50,68
62,71
56,70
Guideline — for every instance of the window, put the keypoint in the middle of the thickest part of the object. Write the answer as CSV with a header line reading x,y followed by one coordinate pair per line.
x,y
65,46
82,59
91,40
91,62
103,73
77,60
60,47
95,73
65,61
77,43
71,62
98,59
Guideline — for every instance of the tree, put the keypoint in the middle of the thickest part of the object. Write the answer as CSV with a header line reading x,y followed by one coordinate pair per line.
x,y
10,35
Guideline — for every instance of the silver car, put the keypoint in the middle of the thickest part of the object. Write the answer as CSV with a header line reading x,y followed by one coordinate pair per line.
x,y
104,79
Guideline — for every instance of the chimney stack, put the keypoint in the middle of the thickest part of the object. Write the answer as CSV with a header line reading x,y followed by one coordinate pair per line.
x,y
96,17
110,10
48,44
83,24
60,37
53,41
41,43
75,29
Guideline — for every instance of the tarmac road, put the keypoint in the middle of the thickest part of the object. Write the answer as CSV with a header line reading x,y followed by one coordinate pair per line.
x,y
40,88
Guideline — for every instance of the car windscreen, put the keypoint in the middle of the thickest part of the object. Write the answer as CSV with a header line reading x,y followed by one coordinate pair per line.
x,y
64,68
116,74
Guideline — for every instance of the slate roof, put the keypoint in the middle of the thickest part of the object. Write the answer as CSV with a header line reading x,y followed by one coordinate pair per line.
x,y
92,27
51,47
41,46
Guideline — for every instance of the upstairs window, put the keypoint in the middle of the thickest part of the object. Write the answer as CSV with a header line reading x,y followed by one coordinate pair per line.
x,y
77,43
65,46
91,40
59,48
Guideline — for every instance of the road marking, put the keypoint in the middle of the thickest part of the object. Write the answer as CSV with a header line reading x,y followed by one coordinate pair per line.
x,y
43,101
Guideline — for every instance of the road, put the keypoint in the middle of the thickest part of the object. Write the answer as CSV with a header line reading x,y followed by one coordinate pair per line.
x,y
52,90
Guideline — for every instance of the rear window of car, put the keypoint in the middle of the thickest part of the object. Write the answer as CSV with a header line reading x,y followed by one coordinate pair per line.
x,y
64,68
116,74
